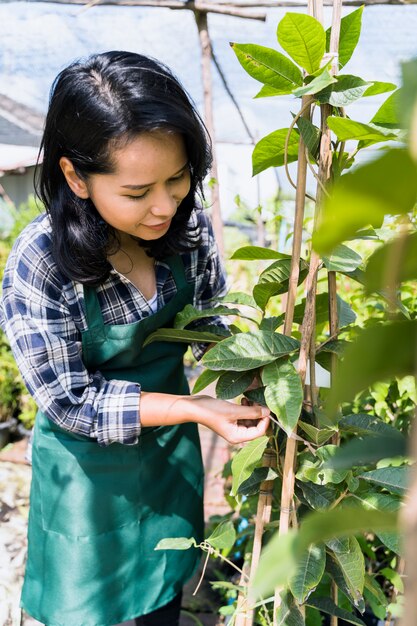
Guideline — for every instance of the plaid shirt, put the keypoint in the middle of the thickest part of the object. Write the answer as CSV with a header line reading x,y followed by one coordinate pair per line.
x,y
43,315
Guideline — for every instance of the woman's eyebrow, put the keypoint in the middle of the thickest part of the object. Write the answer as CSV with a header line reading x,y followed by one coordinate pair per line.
x,y
137,187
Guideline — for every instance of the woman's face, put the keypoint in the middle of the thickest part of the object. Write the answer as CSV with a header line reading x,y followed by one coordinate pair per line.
x,y
150,179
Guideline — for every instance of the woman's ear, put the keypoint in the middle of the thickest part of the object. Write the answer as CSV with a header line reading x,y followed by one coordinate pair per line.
x,y
76,184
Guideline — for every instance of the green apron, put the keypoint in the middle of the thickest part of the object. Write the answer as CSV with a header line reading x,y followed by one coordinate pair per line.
x,y
97,512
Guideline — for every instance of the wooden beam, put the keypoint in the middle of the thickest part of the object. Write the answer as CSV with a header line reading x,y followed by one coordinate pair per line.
x,y
175,5
217,8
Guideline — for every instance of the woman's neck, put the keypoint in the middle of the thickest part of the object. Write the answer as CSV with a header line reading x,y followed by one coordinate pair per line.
x,y
132,261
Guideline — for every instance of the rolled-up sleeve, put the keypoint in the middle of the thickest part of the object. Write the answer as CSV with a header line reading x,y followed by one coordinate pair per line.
x,y
46,344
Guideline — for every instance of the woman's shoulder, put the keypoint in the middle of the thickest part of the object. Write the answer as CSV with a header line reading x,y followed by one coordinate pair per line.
x,y
201,219
31,253
36,235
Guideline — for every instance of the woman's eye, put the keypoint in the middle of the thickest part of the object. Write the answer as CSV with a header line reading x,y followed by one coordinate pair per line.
x,y
138,197
181,176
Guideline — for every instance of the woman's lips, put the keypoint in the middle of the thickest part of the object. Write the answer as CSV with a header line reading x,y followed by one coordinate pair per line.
x,y
162,226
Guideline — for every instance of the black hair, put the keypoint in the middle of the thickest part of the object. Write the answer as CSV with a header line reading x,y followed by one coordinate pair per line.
x,y
108,98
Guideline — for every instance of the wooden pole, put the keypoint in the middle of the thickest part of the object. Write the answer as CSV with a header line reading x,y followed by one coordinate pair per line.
x,y
206,58
263,516
324,176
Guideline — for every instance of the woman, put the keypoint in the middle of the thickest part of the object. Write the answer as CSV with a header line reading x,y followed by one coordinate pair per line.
x,y
119,252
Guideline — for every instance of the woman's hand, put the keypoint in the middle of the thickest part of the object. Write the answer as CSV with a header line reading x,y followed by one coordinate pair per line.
x,y
234,422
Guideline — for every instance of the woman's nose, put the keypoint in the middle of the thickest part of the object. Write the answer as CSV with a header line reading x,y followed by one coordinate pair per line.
x,y
164,203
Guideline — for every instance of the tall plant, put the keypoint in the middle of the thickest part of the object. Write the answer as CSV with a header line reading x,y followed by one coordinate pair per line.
x,y
299,469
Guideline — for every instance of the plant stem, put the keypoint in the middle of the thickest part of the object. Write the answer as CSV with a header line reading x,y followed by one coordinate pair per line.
x,y
203,572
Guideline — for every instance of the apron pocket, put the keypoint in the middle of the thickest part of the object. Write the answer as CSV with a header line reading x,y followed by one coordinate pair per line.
x,y
86,489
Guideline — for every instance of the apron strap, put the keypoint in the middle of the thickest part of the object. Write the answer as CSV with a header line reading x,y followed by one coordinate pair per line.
x,y
92,309
176,265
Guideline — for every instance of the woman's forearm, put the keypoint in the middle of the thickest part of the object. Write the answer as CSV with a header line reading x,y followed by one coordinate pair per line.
x,y
234,422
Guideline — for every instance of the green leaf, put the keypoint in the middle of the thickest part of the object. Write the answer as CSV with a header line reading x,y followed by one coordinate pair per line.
x,y
303,38
404,252
394,479
379,353
319,83
181,336
393,577
206,378
368,450
271,323
268,66
313,617
345,314
376,590
275,280
247,351
310,569
310,135
257,253
342,259
238,297
251,485
256,395
407,386
232,384
387,115
383,502
288,614
319,436
363,424
283,392
176,543
346,129
347,569
384,186
279,558
408,96
319,472
246,460
378,87
319,497
225,584
350,30
267,91
335,346
345,90
190,314
270,150
326,605
223,536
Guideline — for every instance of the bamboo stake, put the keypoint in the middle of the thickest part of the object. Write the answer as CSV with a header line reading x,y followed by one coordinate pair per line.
x,y
307,330
331,277
206,58
241,607
300,197
263,516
